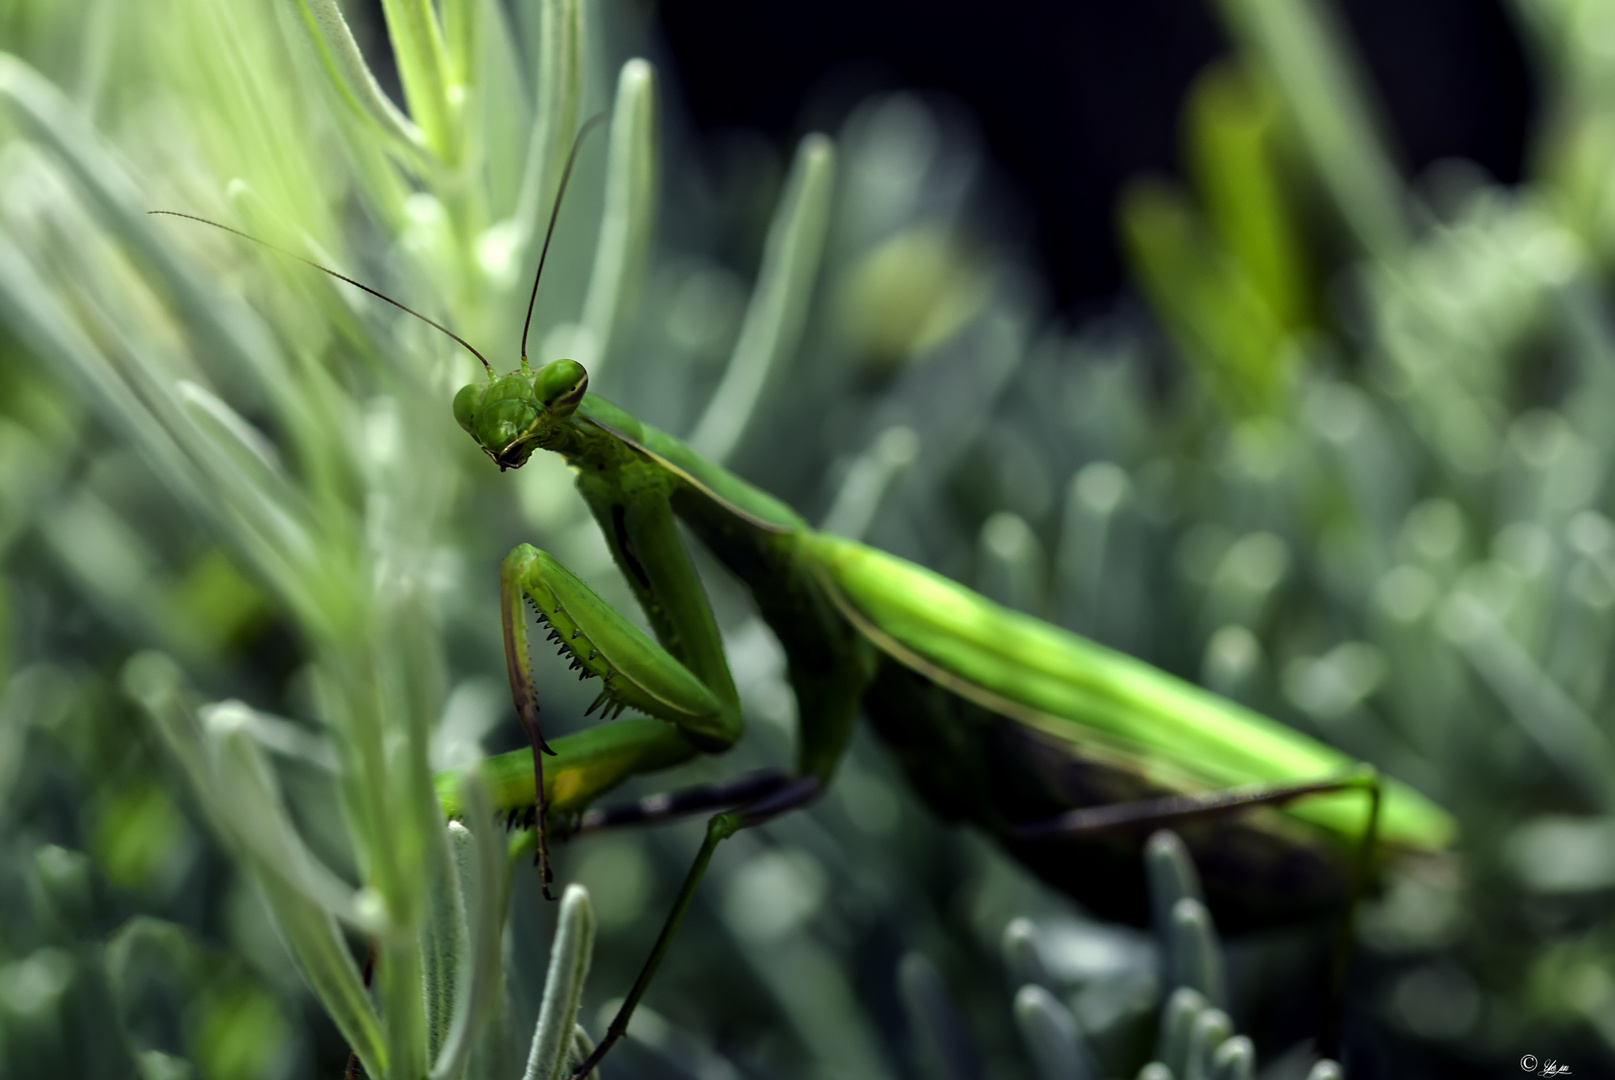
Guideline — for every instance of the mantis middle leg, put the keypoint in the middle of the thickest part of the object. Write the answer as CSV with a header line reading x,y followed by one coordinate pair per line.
x,y
793,795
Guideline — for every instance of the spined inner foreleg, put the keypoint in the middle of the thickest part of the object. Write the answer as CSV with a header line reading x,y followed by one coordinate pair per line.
x,y
635,672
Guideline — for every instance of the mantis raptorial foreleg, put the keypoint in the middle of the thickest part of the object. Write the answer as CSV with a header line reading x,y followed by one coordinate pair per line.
x,y
635,671
631,505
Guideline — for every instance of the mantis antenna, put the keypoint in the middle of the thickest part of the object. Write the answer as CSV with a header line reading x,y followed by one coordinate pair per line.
x,y
378,294
566,175
555,213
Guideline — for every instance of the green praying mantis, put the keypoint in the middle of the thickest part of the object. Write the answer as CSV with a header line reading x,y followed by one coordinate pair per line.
x,y
1063,750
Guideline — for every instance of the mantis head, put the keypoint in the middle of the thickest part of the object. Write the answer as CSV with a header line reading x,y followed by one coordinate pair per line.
x,y
512,415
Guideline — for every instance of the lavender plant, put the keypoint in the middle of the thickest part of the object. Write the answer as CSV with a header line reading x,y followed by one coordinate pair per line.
x,y
331,496
1374,507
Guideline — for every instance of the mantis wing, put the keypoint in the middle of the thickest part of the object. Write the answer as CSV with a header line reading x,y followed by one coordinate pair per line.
x,y
1001,718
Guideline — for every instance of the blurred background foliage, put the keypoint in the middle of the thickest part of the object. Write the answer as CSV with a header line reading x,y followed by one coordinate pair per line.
x,y
1352,468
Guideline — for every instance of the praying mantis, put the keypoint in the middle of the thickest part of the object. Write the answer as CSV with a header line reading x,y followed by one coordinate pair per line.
x,y
1061,749
997,718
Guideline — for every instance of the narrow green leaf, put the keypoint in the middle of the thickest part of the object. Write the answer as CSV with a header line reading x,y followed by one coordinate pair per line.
x,y
36,315
1232,118
779,302
1182,1010
1234,1060
327,964
1171,876
462,32
555,114
256,819
351,76
1022,958
1193,951
939,1036
868,479
1211,1029
235,783
423,71
400,991
444,940
1052,1036
480,869
137,396
553,1037
504,107
627,225
253,457
1305,52
582,1047
309,929
1216,317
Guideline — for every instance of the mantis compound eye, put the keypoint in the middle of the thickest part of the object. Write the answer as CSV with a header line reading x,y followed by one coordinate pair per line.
x,y
467,402
560,385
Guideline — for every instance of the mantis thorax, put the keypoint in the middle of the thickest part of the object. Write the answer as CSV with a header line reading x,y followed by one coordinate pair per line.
x,y
512,415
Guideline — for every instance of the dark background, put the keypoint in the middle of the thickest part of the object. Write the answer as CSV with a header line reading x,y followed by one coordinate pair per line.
x,y
1073,98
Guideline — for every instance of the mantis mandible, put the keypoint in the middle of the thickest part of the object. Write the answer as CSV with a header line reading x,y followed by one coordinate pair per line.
x,y
1035,735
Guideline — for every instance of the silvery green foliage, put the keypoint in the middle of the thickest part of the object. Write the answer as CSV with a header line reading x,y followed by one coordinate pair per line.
x,y
325,482
1081,986
1391,533
1403,550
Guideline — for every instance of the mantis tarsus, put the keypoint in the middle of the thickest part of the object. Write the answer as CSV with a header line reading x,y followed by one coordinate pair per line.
x,y
1033,734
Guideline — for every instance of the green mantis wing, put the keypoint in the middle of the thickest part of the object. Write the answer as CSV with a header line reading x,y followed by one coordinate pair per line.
x,y
1107,703
1068,692
1001,720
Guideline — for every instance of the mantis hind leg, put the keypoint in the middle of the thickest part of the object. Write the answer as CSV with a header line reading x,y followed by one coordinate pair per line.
x,y
1098,820
1101,820
789,796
